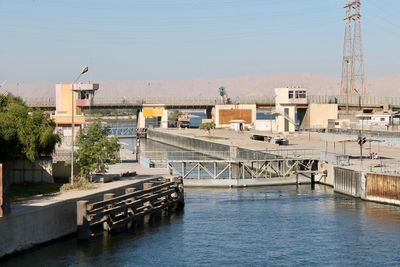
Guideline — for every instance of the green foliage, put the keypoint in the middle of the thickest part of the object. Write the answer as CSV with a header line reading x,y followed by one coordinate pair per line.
x,y
173,115
24,133
80,184
207,125
96,150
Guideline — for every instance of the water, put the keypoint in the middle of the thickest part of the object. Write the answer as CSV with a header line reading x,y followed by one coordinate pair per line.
x,y
276,226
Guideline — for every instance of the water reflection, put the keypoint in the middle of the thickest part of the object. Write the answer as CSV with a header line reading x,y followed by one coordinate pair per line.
x,y
253,226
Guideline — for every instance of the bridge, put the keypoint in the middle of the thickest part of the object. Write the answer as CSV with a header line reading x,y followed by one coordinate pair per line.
x,y
199,102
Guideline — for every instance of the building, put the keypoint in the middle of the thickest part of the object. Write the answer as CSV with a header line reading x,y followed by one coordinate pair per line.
x,y
224,114
70,99
290,108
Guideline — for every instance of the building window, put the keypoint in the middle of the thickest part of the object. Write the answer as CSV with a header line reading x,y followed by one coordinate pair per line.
x,y
301,94
290,94
382,119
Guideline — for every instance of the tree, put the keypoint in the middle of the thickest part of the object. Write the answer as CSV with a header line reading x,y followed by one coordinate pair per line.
x,y
95,150
24,132
207,126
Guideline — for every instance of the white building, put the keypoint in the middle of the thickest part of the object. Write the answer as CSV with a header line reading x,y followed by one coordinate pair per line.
x,y
287,102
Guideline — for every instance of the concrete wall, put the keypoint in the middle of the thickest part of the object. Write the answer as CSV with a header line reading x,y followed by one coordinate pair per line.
x,y
39,224
326,173
281,120
187,143
265,125
317,115
21,171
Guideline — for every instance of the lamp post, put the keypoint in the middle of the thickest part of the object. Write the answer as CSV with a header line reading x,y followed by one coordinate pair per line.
x,y
84,70
361,139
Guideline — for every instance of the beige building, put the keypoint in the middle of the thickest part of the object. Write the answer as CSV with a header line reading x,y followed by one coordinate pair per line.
x,y
70,99
318,116
290,105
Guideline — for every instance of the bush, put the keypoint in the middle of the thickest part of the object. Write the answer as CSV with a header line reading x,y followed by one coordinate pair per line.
x,y
207,126
81,184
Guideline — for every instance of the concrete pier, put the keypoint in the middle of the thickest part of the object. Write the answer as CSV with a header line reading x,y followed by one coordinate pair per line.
x,y
37,221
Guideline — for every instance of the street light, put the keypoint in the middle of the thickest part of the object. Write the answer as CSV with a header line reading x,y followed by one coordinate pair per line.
x,y
84,70
361,138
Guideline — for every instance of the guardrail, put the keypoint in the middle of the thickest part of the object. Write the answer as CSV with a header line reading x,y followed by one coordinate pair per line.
x,y
158,196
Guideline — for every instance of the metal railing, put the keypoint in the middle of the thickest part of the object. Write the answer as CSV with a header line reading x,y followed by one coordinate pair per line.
x,y
354,100
235,169
385,167
245,154
210,101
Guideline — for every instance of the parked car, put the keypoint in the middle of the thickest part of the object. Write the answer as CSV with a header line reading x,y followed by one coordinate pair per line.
x,y
282,141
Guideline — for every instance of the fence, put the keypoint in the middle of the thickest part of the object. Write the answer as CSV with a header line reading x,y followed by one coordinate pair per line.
x,y
334,158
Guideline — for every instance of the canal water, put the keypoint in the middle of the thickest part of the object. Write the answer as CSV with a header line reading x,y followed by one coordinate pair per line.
x,y
274,226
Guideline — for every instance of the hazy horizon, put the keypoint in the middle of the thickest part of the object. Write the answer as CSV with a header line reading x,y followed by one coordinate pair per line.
x,y
44,41
254,85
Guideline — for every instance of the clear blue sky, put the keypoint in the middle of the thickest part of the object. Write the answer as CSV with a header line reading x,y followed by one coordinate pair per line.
x,y
49,40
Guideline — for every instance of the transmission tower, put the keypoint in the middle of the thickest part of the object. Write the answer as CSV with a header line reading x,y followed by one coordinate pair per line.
x,y
353,76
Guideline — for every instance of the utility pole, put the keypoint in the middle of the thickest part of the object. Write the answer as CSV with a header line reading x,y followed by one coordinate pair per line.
x,y
353,75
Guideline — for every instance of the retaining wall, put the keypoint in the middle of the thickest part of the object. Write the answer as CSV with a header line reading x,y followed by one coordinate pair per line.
x,y
22,230
383,188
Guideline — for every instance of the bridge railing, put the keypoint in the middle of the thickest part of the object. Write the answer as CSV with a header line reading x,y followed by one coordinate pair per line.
x,y
208,101
354,100
41,102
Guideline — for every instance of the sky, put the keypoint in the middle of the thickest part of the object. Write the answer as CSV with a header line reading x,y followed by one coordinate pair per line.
x,y
51,40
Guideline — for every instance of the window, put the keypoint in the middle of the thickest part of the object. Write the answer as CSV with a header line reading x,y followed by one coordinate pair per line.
x,y
300,94
382,119
290,94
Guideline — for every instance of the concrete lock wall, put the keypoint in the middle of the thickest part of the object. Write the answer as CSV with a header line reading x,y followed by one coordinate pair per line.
x,y
189,143
21,171
22,230
347,182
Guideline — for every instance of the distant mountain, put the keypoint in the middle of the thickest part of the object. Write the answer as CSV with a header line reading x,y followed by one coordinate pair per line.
x,y
256,85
